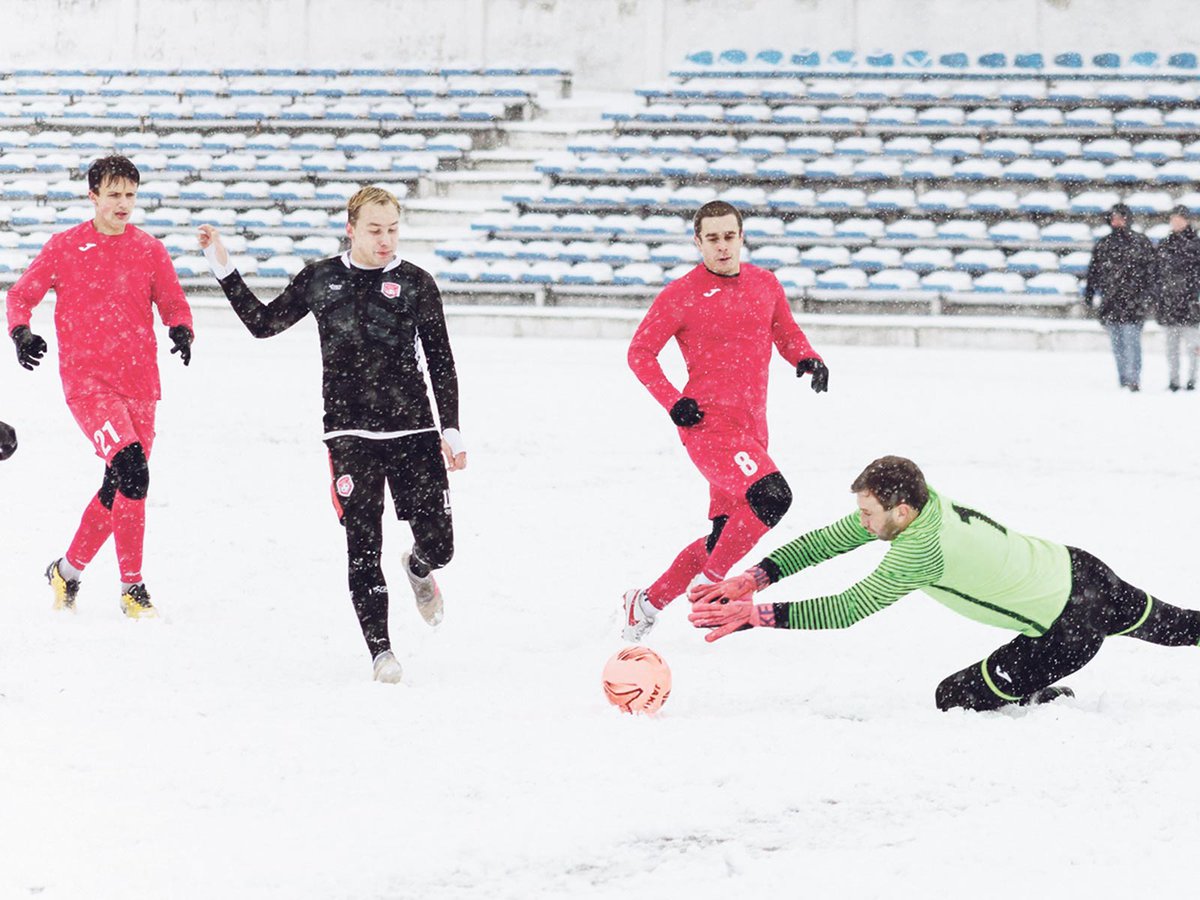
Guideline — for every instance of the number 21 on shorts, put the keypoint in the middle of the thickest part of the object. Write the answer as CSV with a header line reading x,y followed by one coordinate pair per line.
x,y
101,438
745,463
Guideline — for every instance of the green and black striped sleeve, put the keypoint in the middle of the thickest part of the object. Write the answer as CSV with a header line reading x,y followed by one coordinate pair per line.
x,y
815,547
913,561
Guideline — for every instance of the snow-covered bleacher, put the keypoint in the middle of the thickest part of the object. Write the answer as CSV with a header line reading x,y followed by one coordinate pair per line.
x,y
878,175
271,155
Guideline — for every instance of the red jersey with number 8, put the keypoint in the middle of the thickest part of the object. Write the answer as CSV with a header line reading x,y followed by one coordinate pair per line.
x,y
105,286
725,327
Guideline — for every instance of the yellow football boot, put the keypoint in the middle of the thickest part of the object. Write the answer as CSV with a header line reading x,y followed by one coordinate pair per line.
x,y
65,589
135,603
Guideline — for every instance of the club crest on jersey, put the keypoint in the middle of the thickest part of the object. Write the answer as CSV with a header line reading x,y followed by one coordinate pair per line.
x,y
390,289
345,486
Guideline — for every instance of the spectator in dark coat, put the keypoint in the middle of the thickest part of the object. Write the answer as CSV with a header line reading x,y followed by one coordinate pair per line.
x,y
1179,295
1123,271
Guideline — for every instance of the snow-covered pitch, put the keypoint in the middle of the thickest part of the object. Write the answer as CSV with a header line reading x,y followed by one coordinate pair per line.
x,y
239,749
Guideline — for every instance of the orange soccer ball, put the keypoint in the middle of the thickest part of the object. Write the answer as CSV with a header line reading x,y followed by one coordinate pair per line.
x,y
637,680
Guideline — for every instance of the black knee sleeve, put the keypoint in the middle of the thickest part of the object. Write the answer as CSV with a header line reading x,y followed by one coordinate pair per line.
x,y
108,488
131,471
718,527
436,550
770,498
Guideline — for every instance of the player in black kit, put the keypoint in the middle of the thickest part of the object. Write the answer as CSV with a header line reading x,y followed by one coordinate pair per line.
x,y
8,441
372,309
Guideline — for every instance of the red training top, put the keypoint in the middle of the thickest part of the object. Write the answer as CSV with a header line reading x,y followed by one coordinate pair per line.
x,y
725,326
105,285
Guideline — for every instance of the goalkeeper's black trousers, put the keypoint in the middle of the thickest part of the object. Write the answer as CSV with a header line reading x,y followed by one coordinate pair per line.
x,y
1101,605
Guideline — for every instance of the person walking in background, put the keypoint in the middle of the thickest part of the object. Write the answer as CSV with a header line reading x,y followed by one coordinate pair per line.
x,y
8,440
1178,309
108,276
1123,272
373,309
726,316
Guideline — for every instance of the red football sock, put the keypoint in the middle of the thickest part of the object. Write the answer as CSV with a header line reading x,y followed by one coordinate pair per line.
x,y
94,529
738,538
129,530
675,580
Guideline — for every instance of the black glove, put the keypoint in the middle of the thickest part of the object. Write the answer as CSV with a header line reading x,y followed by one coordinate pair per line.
x,y
30,347
820,373
8,441
686,412
182,336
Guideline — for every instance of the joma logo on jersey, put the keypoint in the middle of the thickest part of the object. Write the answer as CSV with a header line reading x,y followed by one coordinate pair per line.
x,y
711,292
345,486
390,289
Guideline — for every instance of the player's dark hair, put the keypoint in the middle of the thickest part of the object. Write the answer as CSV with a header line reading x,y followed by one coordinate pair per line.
x,y
715,209
893,480
112,168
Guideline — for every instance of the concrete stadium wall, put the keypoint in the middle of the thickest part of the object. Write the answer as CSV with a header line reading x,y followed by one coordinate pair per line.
x,y
608,43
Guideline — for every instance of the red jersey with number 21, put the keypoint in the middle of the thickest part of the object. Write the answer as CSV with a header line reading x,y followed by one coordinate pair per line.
x,y
725,327
105,286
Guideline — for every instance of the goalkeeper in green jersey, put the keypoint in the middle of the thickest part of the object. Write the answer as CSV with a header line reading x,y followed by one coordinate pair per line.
x,y
1062,600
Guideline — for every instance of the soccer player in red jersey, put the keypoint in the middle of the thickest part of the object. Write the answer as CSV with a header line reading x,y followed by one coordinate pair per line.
x,y
107,275
725,315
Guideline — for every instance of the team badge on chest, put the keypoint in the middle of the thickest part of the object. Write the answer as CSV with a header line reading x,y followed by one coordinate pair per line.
x,y
390,289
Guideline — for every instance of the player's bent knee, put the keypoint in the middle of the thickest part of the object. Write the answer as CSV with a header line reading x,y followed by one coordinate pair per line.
x,y
770,498
718,525
131,470
437,554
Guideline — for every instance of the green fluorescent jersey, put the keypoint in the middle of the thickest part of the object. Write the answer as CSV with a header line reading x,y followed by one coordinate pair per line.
x,y
958,556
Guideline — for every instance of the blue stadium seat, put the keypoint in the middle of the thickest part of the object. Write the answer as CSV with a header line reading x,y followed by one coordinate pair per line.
x,y
825,257
1129,172
923,260
1013,232
979,169
1150,202
1138,118
792,198
1033,262
895,280
806,58
1026,170
917,59
1072,60
1044,202
781,167
842,198
1075,263
928,168
810,147
831,168
942,200
1187,61
977,261
1058,283
281,267
993,201
1106,61
796,277
809,228
999,283
844,279
796,114
892,199
949,116
774,256
1094,202
892,115
947,282
1065,232
910,229
1089,117
954,60
855,227
875,259
1039,117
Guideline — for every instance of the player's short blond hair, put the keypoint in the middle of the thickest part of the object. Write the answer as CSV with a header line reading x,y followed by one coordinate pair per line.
x,y
368,195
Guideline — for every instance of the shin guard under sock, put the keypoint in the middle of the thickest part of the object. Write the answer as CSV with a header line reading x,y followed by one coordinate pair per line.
x,y
94,529
675,580
129,532
738,537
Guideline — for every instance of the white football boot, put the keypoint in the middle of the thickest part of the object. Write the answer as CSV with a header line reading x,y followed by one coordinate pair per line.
x,y
426,592
387,668
639,615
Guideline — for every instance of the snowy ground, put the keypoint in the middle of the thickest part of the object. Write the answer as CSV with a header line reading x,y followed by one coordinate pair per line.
x,y
238,749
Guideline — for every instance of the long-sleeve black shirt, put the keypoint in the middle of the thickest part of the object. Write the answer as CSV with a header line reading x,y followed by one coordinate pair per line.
x,y
370,322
